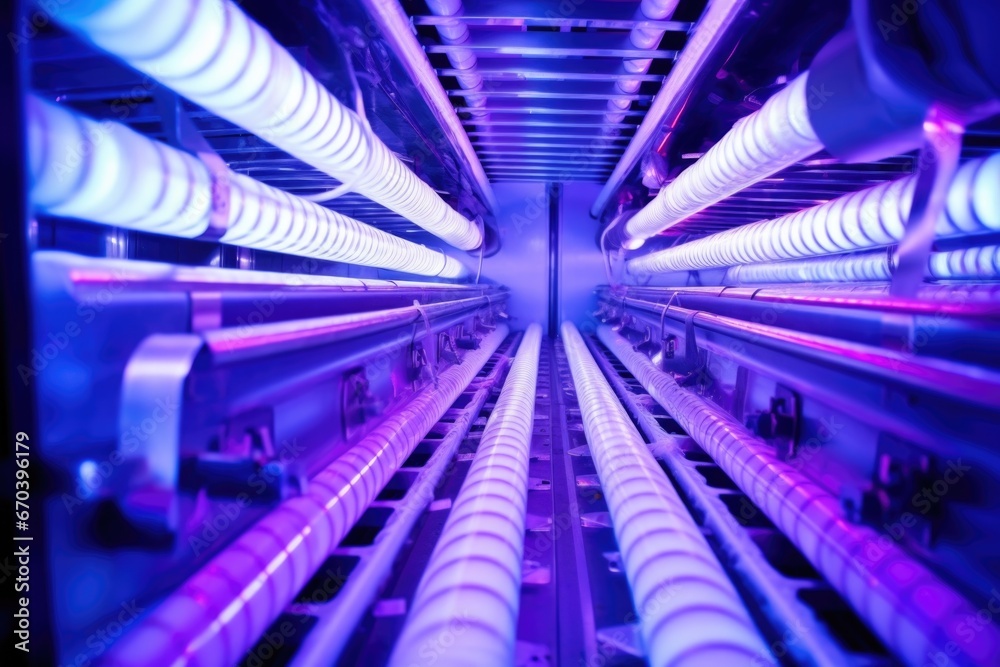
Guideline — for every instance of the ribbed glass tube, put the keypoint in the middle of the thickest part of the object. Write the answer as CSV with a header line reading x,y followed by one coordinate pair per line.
x,y
107,173
865,267
689,612
774,137
212,53
865,219
976,263
220,612
473,580
914,612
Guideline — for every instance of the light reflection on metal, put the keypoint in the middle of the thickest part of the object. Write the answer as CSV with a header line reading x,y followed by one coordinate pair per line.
x,y
938,162
218,614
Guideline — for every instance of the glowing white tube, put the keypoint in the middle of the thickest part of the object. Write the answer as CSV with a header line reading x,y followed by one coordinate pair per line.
x,y
864,219
968,263
689,611
978,263
212,53
104,172
473,579
866,267
218,614
776,136
456,33
641,38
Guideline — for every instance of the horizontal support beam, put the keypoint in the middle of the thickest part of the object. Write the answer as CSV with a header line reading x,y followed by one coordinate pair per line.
x,y
544,69
492,155
559,166
528,178
591,14
551,134
605,146
511,113
544,123
560,172
555,92
553,45
550,159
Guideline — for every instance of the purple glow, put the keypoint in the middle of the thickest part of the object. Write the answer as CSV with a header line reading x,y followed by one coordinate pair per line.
x,y
660,543
811,517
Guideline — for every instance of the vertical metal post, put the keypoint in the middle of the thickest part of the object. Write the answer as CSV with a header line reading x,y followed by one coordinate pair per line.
x,y
936,165
555,224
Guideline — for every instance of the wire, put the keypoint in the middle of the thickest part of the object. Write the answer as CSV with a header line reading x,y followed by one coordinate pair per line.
x,y
347,187
482,247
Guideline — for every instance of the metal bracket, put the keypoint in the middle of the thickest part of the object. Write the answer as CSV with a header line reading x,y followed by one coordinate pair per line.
x,y
420,366
624,638
896,494
356,401
448,348
596,520
779,425
647,346
936,163
693,360
150,426
467,340
182,133
614,560
531,654
419,354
